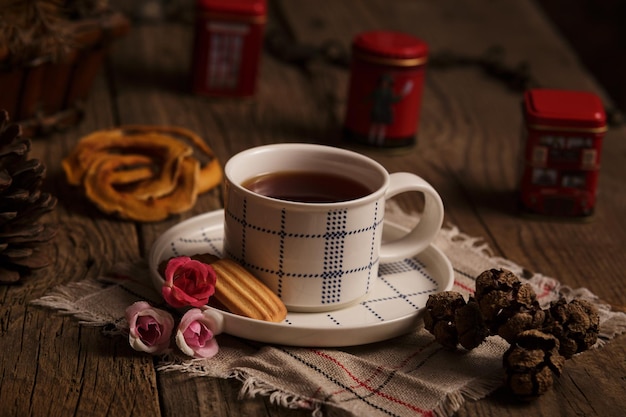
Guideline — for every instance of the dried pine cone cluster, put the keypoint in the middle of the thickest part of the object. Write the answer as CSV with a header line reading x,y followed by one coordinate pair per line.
x,y
21,205
541,339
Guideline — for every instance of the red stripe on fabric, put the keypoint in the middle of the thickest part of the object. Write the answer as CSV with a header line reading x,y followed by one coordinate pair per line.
x,y
546,290
465,287
414,354
379,369
360,383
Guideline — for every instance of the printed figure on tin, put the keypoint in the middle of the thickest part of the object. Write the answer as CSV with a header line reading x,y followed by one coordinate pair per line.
x,y
383,98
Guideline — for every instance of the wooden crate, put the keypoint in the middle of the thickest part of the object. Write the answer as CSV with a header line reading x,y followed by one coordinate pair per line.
x,y
46,95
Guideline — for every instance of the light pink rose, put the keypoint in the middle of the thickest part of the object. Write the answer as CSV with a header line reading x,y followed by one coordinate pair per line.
x,y
188,282
195,335
150,329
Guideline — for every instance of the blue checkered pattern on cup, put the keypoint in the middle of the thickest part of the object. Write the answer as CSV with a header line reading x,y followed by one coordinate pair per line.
x,y
338,234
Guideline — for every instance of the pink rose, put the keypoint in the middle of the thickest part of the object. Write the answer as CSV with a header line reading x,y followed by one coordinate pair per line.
x,y
188,282
150,328
195,334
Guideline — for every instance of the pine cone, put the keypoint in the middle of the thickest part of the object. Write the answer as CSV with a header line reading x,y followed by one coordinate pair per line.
x,y
525,319
453,321
470,325
532,363
439,317
501,296
576,324
21,204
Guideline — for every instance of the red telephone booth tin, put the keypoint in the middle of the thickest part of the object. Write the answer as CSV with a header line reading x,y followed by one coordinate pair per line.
x,y
227,46
561,161
385,91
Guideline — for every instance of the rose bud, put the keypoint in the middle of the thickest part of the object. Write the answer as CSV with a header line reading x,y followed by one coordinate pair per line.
x,y
188,282
195,335
150,329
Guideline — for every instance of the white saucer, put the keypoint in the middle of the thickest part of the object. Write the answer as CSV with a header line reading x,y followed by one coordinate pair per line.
x,y
392,308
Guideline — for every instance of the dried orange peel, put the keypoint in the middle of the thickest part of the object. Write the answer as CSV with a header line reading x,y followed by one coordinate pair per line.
x,y
143,173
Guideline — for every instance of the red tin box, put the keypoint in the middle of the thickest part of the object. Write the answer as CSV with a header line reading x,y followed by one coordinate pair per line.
x,y
561,160
227,46
385,92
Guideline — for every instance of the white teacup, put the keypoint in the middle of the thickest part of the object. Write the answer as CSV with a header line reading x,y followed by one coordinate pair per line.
x,y
322,253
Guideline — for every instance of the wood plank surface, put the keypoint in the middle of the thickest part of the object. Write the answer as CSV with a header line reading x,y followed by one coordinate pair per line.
x,y
468,148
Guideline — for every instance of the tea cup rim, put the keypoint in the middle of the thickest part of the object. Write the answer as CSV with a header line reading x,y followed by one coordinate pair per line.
x,y
303,147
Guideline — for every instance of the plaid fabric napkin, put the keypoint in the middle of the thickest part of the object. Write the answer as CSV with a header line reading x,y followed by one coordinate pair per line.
x,y
410,375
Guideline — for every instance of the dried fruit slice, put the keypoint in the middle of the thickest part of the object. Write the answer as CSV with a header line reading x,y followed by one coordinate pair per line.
x,y
103,187
149,166
210,170
165,151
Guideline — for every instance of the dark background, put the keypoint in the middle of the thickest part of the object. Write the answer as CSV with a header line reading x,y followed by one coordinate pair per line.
x,y
596,29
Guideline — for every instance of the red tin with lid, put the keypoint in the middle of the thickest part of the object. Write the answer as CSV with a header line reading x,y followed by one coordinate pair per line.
x,y
561,161
385,92
227,46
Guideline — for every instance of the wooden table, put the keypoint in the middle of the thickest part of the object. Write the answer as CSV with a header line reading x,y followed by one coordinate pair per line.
x,y
468,149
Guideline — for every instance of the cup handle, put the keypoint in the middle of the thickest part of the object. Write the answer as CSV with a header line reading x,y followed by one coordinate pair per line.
x,y
430,222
